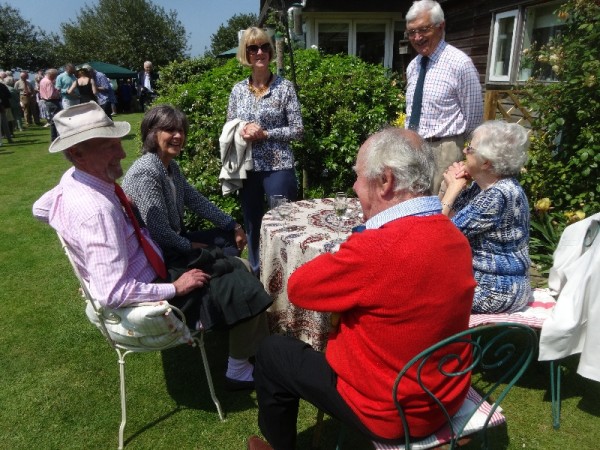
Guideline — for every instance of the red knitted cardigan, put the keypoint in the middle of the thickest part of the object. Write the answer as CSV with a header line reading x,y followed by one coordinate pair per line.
x,y
400,289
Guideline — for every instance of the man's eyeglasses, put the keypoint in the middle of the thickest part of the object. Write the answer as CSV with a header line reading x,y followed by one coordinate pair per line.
x,y
253,49
421,31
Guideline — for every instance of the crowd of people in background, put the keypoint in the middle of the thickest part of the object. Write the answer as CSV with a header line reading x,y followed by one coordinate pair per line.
x,y
33,99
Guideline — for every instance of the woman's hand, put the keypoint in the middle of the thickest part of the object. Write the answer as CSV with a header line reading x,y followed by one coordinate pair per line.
x,y
456,176
240,238
253,132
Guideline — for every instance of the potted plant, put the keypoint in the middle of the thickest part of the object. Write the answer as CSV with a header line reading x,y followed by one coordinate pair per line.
x,y
526,64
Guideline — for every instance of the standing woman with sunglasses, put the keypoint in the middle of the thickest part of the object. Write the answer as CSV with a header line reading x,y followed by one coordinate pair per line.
x,y
269,105
493,213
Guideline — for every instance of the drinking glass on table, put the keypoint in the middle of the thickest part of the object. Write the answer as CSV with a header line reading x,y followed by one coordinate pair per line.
x,y
340,205
351,208
285,209
278,204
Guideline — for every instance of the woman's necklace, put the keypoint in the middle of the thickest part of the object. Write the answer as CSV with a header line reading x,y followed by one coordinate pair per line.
x,y
260,91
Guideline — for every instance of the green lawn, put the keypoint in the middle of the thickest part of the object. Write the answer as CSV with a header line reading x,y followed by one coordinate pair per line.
x,y
59,378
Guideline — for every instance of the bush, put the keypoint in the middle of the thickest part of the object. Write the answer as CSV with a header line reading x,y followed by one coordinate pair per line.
x,y
565,149
185,71
343,100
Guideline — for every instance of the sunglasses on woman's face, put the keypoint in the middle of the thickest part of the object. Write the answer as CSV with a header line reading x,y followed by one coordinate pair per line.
x,y
253,49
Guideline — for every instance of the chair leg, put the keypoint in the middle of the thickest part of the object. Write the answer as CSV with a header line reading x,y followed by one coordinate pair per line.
x,y
200,343
555,392
121,362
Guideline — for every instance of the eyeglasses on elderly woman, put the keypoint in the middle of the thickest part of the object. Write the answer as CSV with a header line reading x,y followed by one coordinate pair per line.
x,y
253,49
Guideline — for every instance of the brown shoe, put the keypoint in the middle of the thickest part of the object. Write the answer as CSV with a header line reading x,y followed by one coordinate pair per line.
x,y
256,443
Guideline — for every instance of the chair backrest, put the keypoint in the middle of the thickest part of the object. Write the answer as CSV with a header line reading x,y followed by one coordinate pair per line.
x,y
501,351
141,327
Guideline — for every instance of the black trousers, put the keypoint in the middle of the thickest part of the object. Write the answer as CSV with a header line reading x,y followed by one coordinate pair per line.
x,y
285,371
52,108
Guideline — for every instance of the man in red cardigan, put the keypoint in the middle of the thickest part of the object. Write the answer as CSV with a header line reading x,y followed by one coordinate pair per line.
x,y
401,285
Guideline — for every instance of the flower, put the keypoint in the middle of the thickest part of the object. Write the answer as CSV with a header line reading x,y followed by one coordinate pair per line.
x,y
543,205
574,216
399,121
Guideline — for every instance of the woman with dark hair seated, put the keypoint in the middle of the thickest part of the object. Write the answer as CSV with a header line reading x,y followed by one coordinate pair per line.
x,y
160,191
235,297
493,213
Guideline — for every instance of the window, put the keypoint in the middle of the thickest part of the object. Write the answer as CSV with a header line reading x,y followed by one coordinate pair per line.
x,y
371,40
514,33
541,25
503,43
333,37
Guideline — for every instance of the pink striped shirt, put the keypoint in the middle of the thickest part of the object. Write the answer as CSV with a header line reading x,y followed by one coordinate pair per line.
x,y
48,91
86,212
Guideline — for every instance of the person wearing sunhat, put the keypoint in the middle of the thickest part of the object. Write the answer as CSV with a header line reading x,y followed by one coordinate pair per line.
x,y
117,258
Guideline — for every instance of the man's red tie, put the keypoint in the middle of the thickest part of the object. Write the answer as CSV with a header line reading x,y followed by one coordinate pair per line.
x,y
154,258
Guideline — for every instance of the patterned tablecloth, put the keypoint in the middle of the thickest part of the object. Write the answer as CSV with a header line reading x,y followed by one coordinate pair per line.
x,y
311,229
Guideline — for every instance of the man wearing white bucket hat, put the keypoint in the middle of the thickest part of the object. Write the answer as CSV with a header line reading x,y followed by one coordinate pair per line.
x,y
85,210
117,258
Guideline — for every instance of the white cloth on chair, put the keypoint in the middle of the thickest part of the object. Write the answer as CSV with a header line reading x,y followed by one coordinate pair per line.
x,y
574,326
537,310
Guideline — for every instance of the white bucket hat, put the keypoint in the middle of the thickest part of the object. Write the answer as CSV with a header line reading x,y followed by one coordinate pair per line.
x,y
83,122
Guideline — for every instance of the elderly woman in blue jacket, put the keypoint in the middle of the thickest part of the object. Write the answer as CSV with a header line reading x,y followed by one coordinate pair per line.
x,y
159,190
493,213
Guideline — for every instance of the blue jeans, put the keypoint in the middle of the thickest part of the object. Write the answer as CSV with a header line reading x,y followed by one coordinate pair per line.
x,y
257,189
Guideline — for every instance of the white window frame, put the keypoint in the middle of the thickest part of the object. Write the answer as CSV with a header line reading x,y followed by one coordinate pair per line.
x,y
521,39
495,46
313,23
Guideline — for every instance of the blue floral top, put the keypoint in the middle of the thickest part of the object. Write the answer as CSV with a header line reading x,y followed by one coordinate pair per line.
x,y
277,112
496,223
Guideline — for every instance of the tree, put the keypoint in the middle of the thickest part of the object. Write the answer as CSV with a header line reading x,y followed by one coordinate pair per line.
x,y
24,46
125,32
226,36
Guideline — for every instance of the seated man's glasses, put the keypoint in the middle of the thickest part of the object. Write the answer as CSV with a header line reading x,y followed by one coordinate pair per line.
x,y
253,49
421,31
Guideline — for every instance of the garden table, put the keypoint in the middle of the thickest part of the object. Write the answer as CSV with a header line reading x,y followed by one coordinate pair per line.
x,y
285,244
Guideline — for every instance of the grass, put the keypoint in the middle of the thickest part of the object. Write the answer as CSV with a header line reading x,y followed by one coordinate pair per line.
x,y
59,378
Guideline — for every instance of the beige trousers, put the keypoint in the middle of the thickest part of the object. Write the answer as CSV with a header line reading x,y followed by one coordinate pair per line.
x,y
446,152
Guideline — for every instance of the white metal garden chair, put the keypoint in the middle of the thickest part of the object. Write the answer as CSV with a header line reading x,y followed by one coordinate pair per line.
x,y
145,327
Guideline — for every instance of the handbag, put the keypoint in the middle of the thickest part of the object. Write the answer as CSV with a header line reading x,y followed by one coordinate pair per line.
x,y
143,325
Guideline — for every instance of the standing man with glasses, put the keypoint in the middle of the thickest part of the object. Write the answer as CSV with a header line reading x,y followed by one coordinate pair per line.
x,y
443,94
